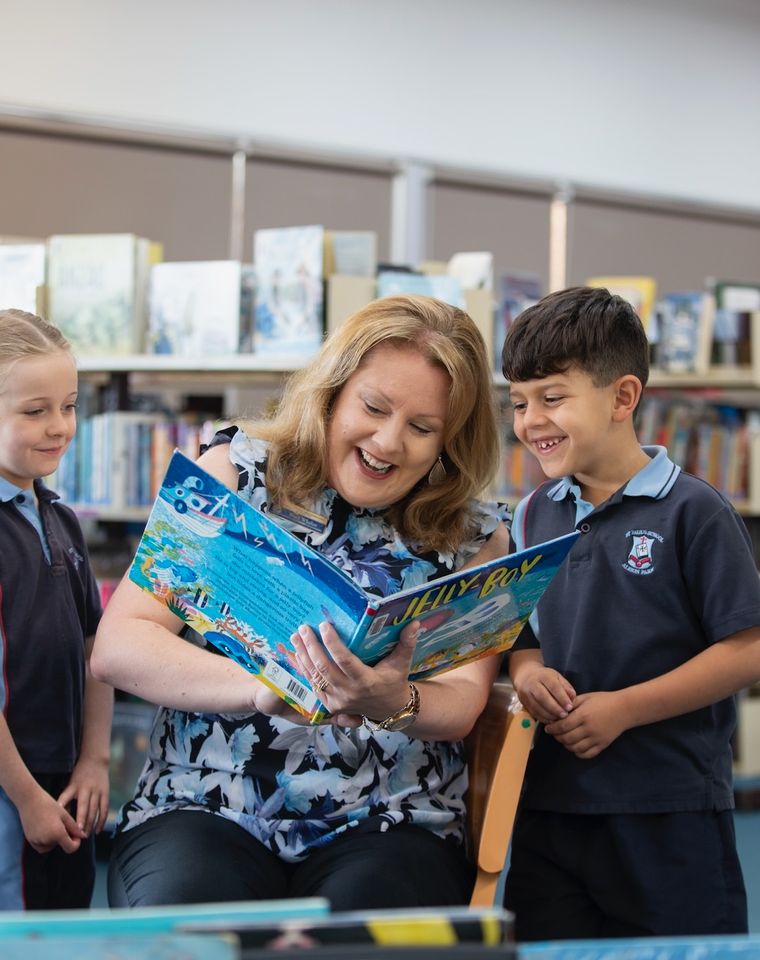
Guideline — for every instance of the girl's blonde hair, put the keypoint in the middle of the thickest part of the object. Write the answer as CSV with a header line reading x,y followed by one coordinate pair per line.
x,y
25,335
434,516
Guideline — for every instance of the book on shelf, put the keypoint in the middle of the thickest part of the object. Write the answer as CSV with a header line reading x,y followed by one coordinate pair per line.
x,y
350,253
473,269
344,295
22,274
640,292
681,331
391,283
516,291
735,305
477,301
288,316
108,464
198,308
245,583
97,290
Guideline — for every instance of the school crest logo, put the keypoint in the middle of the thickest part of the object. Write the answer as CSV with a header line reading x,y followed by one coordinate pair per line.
x,y
640,559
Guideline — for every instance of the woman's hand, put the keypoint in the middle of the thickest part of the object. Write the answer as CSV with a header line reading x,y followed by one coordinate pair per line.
x,y
348,687
268,702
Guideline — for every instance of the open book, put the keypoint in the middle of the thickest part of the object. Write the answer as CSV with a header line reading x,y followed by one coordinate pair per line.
x,y
245,583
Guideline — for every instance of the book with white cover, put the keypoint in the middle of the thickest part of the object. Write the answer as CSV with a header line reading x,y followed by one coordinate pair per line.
x,y
22,271
289,294
97,288
194,308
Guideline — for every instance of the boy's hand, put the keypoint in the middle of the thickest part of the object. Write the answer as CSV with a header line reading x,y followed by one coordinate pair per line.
x,y
595,721
544,692
46,824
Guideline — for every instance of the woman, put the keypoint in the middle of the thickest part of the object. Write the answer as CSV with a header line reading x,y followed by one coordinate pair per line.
x,y
374,457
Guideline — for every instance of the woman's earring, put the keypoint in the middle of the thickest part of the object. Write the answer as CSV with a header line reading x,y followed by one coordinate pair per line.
x,y
437,473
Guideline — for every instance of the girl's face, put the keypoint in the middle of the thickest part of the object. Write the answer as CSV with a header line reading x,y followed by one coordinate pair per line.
x,y
387,426
37,416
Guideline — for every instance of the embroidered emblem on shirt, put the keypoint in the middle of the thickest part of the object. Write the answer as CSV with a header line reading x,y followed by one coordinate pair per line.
x,y
640,559
76,557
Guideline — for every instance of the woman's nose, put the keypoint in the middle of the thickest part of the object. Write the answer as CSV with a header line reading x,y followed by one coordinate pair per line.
x,y
389,436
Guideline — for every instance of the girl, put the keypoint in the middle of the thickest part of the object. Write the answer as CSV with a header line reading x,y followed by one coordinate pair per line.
x,y
55,722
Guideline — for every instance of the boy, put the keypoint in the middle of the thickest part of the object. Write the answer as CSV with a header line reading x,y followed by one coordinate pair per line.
x,y
650,627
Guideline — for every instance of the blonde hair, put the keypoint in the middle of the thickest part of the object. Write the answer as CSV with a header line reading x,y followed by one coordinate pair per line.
x,y
25,335
432,516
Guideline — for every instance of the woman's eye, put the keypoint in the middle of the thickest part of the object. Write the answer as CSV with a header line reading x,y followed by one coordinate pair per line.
x,y
371,409
425,431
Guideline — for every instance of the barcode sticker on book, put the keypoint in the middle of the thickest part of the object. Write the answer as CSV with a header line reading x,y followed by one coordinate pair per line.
x,y
294,688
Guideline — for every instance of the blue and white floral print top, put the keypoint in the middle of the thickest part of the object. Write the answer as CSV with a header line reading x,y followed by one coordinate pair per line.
x,y
296,787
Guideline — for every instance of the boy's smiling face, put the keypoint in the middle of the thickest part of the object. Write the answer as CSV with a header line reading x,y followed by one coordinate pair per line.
x,y
569,424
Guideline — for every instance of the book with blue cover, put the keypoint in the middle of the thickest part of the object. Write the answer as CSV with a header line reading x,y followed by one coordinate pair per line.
x,y
245,583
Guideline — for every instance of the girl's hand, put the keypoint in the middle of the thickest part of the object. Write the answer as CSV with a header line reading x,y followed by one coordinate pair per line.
x,y
348,687
47,824
89,787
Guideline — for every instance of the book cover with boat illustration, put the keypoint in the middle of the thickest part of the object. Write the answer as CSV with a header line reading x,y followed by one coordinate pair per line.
x,y
245,583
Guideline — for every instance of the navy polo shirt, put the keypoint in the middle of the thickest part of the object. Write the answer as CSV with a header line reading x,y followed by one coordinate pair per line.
x,y
49,605
664,568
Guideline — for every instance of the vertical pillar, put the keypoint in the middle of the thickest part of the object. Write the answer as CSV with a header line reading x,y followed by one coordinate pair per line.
x,y
558,238
409,213
237,205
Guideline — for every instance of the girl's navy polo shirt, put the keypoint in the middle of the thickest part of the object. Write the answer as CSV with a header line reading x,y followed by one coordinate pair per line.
x,y
664,568
48,608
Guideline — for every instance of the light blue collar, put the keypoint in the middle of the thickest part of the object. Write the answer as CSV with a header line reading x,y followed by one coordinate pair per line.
x,y
26,503
9,491
655,480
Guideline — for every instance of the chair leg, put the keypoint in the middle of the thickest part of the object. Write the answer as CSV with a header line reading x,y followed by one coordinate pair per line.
x,y
484,891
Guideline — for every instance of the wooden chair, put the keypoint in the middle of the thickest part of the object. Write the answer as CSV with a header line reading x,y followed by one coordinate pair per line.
x,y
498,749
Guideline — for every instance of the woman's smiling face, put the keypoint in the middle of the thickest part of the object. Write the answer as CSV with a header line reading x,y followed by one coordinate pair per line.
x,y
387,426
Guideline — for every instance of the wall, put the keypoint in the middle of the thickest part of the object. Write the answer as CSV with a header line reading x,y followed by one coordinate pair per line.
x,y
659,96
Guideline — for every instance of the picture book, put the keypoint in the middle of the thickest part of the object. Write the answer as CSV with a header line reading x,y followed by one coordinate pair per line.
x,y
735,305
411,926
22,272
97,291
441,286
516,292
288,315
245,582
350,253
195,308
474,270
640,292
683,336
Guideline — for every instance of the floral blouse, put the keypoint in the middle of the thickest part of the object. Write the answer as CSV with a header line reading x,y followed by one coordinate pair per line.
x,y
296,787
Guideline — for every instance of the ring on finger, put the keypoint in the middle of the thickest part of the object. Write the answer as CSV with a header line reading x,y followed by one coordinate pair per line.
x,y
320,684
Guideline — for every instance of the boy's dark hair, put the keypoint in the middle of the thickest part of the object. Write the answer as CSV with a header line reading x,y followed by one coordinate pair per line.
x,y
584,327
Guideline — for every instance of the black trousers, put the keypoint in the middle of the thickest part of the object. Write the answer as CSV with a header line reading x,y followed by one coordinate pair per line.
x,y
587,876
43,881
188,856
